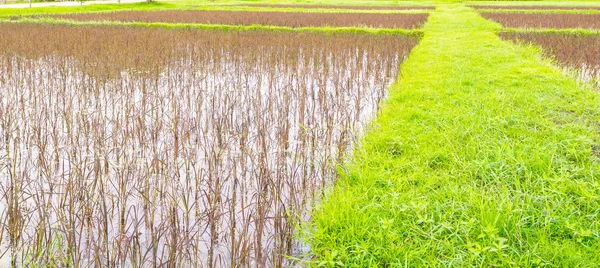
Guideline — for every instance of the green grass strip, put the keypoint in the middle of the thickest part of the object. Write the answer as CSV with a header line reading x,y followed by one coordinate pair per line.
x,y
485,154
327,30
553,31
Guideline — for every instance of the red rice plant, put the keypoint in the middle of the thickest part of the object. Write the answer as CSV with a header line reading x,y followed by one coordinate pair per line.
x,y
574,50
136,147
536,7
291,19
345,7
557,21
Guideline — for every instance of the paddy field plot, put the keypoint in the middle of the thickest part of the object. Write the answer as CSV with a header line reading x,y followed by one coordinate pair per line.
x,y
133,146
536,7
571,39
556,21
576,50
273,18
344,7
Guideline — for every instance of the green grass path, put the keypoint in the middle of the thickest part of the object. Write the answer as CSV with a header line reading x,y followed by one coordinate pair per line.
x,y
483,154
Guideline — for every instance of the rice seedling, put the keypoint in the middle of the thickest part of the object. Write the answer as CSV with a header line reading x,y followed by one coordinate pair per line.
x,y
581,52
291,19
345,7
557,21
175,148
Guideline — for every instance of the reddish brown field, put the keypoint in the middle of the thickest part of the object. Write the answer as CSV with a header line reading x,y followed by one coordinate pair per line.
x,y
557,21
577,51
291,19
536,7
345,7
137,147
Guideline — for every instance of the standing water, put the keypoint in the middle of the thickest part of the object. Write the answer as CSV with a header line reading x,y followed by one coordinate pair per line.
x,y
178,148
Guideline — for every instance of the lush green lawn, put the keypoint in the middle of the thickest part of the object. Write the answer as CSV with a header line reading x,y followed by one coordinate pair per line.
x,y
484,154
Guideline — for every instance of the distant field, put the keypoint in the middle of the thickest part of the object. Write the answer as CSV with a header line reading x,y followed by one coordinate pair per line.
x,y
513,7
344,7
563,3
291,19
557,21
575,50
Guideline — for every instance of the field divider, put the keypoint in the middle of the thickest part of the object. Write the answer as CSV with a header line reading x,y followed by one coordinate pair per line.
x,y
482,144
225,27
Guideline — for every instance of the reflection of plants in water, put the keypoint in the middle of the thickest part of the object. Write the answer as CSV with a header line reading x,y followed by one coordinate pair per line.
x,y
175,147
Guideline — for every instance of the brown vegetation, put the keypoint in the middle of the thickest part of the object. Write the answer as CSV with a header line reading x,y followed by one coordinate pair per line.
x,y
345,7
537,7
129,147
577,51
291,19
557,21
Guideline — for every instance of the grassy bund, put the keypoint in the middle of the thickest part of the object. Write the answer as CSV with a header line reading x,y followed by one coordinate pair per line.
x,y
485,152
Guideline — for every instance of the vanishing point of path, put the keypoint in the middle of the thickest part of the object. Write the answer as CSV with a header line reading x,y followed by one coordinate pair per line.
x,y
484,154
